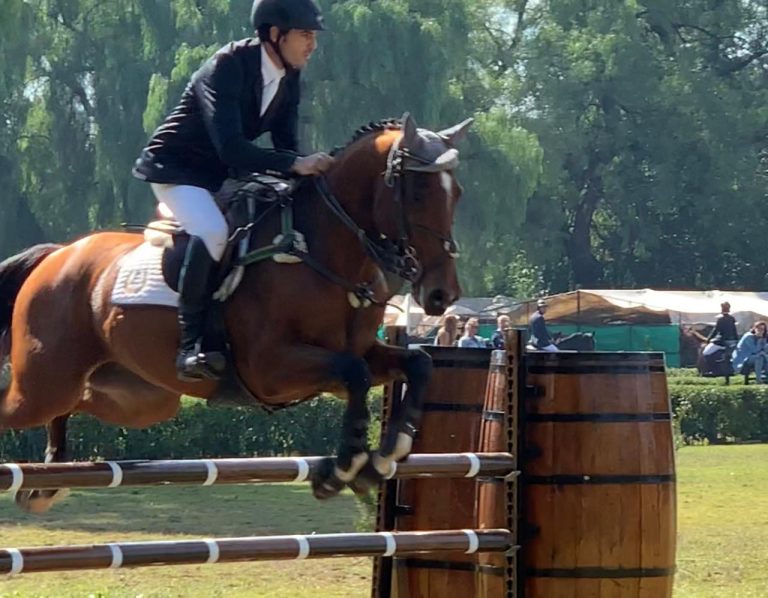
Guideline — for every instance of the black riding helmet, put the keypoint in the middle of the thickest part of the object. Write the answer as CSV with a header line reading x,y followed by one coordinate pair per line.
x,y
287,14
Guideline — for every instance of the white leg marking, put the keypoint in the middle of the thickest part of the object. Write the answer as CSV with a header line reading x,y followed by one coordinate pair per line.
x,y
403,446
358,461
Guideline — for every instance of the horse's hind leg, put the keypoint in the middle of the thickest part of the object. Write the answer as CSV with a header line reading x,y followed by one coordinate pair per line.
x,y
40,501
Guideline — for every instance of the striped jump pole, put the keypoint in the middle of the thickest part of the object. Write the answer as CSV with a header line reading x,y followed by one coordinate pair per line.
x,y
206,472
227,550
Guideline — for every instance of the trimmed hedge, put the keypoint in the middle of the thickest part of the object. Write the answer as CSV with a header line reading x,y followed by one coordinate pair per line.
x,y
312,428
719,414
711,413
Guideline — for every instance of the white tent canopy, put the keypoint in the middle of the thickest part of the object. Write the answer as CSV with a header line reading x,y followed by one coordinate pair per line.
x,y
646,306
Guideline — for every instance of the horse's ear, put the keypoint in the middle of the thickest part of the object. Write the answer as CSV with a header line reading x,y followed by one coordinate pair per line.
x,y
455,134
409,130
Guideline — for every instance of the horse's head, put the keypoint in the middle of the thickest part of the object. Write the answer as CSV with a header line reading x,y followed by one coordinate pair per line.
x,y
414,205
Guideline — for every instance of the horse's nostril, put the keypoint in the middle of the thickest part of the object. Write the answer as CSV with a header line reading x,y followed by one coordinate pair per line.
x,y
438,298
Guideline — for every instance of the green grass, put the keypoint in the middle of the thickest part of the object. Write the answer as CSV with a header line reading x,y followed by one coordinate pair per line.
x,y
188,513
722,522
722,535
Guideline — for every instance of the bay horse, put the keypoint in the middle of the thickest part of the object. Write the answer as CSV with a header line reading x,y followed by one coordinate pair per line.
x,y
294,331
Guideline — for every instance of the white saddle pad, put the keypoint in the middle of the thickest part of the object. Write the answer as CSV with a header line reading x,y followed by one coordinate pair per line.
x,y
140,279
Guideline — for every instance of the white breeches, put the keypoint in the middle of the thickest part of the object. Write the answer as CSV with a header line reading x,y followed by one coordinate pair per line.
x,y
711,348
196,210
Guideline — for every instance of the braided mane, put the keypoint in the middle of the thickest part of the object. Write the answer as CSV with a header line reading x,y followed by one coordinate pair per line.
x,y
385,124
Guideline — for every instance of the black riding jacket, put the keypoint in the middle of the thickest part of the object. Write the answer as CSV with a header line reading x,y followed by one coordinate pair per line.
x,y
724,330
539,335
207,137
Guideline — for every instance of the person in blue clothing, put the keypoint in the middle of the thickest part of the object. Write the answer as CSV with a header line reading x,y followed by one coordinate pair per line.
x,y
248,88
539,339
751,351
497,339
470,340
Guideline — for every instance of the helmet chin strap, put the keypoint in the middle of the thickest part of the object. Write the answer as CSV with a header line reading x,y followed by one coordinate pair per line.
x,y
276,47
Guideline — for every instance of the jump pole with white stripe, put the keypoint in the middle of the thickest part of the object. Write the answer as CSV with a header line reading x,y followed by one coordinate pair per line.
x,y
206,472
224,550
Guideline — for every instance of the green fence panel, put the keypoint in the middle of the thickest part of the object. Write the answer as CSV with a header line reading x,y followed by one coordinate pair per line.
x,y
665,338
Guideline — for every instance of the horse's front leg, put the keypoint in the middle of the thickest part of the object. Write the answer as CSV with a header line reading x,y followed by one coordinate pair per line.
x,y
388,362
353,455
295,370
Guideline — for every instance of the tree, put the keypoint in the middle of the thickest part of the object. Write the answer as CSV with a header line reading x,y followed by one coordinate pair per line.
x,y
648,130
18,226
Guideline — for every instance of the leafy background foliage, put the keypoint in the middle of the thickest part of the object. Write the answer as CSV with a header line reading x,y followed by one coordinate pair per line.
x,y
616,144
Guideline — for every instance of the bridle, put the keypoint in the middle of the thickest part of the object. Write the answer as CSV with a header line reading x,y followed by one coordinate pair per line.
x,y
395,178
396,256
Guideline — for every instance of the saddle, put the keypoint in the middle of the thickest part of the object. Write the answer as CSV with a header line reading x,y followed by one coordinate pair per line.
x,y
244,202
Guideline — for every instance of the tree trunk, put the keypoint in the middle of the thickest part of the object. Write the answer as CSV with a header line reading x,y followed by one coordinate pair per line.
x,y
586,271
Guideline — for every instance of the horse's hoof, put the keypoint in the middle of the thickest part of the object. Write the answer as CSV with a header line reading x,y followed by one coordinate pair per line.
x,y
367,479
325,483
36,502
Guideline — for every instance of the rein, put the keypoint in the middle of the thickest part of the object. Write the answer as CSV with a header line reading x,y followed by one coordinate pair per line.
x,y
396,257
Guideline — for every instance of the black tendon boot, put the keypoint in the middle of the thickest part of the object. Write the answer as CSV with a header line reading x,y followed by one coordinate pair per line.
x,y
195,291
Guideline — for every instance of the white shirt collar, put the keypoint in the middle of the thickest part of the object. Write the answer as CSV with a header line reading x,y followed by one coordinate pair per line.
x,y
269,70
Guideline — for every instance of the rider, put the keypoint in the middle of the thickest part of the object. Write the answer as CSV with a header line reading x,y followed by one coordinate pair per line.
x,y
539,339
247,88
724,335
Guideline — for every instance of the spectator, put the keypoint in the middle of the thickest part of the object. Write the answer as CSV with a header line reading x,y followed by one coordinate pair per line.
x,y
750,351
448,332
470,340
539,335
497,340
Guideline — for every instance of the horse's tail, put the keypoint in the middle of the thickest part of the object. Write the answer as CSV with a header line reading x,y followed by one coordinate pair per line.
x,y
13,272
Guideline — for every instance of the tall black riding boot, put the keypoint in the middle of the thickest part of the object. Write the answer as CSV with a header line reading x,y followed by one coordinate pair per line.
x,y
195,281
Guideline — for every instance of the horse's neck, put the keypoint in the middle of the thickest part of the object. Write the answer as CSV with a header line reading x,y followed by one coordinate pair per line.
x,y
331,242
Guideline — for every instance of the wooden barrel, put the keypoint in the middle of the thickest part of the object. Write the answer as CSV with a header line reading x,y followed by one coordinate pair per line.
x,y
496,497
598,476
452,412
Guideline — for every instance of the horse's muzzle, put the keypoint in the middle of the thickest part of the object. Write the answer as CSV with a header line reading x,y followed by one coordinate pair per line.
x,y
437,301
